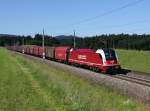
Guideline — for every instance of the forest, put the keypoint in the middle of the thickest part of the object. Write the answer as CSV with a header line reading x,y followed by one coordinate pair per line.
x,y
118,41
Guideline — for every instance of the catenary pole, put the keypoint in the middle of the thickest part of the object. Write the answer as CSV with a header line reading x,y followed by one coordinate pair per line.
x,y
43,45
74,39
23,45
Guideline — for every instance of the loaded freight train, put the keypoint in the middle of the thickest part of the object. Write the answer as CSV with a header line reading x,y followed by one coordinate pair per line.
x,y
102,60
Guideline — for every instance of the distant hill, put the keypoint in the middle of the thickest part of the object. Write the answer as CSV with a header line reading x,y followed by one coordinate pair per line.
x,y
65,37
67,40
8,35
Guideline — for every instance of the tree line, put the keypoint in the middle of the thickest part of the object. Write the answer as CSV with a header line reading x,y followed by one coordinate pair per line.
x,y
11,40
119,41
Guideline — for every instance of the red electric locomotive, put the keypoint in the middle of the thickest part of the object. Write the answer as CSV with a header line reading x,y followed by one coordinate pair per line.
x,y
103,60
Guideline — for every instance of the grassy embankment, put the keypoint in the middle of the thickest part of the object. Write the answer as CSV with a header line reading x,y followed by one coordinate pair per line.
x,y
135,60
28,85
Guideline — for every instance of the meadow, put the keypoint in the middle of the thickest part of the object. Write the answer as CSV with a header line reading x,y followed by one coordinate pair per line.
x,y
135,60
29,85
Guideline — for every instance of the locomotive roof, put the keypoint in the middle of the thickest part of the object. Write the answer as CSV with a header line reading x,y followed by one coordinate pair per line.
x,y
85,50
107,49
63,47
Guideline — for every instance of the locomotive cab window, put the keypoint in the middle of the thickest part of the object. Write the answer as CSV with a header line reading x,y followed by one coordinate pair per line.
x,y
110,54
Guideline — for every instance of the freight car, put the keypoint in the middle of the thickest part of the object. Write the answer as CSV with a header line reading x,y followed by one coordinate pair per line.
x,y
103,60
50,52
62,53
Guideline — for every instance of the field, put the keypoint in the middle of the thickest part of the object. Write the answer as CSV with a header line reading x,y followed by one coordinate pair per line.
x,y
28,85
135,60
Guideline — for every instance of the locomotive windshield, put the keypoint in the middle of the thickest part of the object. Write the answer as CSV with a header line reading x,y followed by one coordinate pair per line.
x,y
110,54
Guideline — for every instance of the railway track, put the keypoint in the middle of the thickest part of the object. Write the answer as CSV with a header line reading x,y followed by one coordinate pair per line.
x,y
141,81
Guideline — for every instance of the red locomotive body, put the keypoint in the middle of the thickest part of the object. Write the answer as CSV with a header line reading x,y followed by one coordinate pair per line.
x,y
62,53
102,59
85,57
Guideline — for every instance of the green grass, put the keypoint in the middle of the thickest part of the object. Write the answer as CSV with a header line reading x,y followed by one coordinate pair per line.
x,y
135,60
28,85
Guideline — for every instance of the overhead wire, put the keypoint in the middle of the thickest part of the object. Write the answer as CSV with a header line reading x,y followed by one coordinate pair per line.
x,y
108,12
127,24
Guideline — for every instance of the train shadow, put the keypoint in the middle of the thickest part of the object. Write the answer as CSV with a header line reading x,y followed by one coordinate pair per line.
x,y
120,71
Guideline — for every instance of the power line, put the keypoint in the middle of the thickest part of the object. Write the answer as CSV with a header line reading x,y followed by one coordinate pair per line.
x,y
137,29
113,26
126,24
130,23
109,12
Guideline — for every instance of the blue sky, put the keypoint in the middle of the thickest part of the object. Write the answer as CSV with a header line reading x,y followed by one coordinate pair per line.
x,y
61,17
